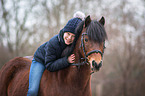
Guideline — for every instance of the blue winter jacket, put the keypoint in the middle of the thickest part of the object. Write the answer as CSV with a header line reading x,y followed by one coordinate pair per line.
x,y
50,52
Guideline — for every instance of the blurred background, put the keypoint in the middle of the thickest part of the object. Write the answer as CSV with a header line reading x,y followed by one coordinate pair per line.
x,y
26,24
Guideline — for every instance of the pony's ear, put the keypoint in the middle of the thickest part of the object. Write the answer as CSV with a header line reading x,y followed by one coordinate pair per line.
x,y
87,21
102,20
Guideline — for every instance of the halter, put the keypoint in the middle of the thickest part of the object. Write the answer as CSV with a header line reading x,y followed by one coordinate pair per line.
x,y
91,52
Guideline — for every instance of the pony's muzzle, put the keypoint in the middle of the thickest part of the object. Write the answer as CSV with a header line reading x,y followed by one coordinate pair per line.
x,y
96,66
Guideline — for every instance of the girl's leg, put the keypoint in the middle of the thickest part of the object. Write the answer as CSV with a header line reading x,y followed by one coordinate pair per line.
x,y
36,71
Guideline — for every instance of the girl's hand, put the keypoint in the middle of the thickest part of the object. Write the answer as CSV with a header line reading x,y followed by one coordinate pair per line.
x,y
71,58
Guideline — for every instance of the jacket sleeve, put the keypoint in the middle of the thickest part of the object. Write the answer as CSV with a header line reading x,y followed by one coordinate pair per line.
x,y
51,62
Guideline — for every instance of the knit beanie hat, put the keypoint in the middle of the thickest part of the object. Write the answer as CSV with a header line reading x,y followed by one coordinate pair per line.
x,y
72,23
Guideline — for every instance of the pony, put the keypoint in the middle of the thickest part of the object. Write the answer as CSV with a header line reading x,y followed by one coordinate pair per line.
x,y
88,47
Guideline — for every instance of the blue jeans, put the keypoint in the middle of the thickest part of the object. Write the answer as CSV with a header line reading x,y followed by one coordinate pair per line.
x,y
36,71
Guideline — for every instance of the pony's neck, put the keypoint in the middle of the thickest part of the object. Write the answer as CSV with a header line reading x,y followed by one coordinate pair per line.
x,y
80,74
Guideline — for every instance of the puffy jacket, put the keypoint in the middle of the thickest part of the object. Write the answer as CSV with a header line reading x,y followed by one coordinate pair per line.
x,y
50,52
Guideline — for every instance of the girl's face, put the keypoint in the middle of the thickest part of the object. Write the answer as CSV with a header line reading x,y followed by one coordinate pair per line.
x,y
68,38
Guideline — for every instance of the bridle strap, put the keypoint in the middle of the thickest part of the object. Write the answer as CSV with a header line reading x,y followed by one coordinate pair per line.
x,y
83,45
94,51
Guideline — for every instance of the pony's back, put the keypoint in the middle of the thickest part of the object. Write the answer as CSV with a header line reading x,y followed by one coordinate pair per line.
x,y
13,72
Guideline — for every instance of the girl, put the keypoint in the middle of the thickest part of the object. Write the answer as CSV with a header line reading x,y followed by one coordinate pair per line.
x,y
48,55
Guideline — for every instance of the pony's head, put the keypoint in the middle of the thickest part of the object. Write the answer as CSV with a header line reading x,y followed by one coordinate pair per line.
x,y
92,42
89,43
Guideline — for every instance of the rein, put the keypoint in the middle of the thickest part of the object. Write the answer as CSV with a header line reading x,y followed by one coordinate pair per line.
x,y
86,55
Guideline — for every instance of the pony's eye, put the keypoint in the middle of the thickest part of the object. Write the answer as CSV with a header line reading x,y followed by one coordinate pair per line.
x,y
86,39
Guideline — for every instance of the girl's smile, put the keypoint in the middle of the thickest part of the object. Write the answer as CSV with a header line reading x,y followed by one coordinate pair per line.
x,y
68,38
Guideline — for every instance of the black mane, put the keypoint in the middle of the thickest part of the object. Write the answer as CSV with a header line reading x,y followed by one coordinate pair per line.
x,y
96,33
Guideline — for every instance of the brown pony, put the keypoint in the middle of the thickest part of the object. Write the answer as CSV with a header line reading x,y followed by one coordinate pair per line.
x,y
88,48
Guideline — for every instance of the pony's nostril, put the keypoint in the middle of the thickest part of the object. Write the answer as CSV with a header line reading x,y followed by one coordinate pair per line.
x,y
94,63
